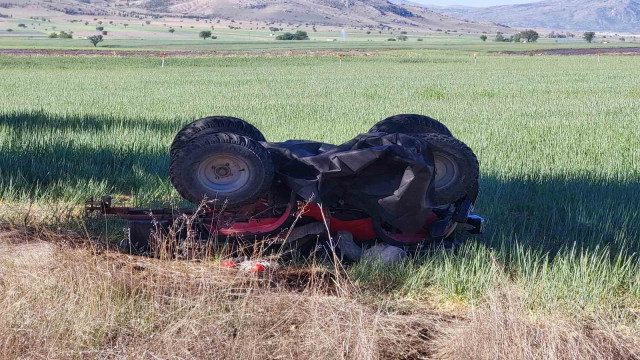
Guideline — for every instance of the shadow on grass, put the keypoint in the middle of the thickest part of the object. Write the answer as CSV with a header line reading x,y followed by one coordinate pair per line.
x,y
41,121
552,213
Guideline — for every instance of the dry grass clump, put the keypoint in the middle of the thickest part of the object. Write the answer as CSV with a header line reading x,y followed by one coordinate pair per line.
x,y
61,302
505,330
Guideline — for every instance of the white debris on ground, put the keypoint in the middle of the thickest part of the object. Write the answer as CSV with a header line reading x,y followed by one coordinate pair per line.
x,y
388,254
380,252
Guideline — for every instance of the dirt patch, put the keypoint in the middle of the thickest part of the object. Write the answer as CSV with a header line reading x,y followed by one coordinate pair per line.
x,y
608,51
179,53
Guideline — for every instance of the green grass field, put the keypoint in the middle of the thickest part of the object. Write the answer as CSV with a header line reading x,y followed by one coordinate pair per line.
x,y
557,137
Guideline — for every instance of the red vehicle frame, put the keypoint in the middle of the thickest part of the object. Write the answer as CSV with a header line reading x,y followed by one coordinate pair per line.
x,y
438,225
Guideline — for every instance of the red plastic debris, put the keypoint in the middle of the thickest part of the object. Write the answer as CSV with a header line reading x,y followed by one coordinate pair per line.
x,y
228,264
257,268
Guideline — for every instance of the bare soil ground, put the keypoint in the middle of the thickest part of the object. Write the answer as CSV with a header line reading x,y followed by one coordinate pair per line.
x,y
609,51
179,53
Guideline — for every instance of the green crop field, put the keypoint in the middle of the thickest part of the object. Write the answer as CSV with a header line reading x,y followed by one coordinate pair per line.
x,y
557,137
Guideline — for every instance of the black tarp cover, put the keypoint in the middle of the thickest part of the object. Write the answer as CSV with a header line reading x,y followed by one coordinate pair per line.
x,y
389,176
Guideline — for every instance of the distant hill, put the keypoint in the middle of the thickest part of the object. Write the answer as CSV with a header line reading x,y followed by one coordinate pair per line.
x,y
596,15
357,13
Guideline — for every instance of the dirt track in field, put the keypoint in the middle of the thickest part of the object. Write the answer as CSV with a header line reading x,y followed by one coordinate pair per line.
x,y
178,53
610,51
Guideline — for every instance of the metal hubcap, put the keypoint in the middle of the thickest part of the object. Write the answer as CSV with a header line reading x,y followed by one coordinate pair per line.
x,y
446,170
223,173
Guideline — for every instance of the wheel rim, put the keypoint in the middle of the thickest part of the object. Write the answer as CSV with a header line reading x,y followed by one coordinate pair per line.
x,y
223,173
447,170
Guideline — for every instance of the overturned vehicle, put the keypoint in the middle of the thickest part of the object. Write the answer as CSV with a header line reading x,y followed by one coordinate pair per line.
x,y
407,182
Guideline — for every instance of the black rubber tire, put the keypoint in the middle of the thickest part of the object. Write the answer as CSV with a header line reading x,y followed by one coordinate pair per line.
x,y
410,124
186,164
212,125
465,176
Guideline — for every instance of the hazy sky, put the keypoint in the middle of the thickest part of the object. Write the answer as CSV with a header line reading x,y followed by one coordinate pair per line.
x,y
473,2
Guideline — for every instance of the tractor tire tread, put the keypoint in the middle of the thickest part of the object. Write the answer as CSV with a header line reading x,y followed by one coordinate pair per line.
x,y
215,124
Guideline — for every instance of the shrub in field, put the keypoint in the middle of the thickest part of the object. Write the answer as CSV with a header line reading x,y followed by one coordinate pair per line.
x,y
99,28
402,37
205,34
22,25
589,36
172,30
105,32
64,35
299,35
53,36
419,39
95,39
500,38
483,37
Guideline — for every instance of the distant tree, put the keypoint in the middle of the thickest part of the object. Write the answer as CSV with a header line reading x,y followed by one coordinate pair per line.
x,y
9,30
368,32
125,25
205,34
483,37
105,32
299,35
589,36
499,38
95,39
99,28
22,25
147,22
273,29
53,36
172,30
64,35
419,39
402,37
529,35
391,39
403,32
86,23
